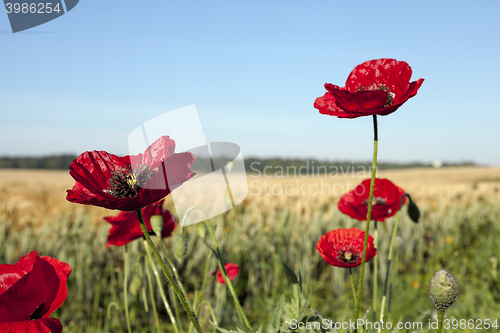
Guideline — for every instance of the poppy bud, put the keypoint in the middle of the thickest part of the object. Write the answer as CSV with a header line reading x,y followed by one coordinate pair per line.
x,y
157,224
201,230
413,211
444,290
180,246
136,284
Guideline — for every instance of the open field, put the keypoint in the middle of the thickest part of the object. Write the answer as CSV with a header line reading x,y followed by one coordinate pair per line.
x,y
458,231
34,196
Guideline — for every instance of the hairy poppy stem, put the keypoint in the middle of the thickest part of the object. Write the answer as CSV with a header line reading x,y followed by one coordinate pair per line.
x,y
162,292
352,285
440,321
169,277
389,258
375,273
125,287
368,216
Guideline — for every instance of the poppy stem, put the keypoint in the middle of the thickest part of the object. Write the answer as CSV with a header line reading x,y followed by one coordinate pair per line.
x,y
162,292
440,321
125,287
169,277
389,258
352,285
368,216
375,272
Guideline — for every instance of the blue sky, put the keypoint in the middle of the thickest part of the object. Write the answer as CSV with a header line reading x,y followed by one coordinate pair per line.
x,y
253,69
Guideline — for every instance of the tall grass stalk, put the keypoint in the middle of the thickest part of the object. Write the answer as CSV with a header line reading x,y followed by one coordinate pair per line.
x,y
389,258
375,272
125,286
152,295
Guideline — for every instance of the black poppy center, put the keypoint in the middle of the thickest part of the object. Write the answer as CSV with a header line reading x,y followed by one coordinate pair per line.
x,y
376,201
37,312
348,256
126,183
379,87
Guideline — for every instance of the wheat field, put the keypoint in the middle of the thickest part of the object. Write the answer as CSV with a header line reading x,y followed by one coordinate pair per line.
x,y
458,231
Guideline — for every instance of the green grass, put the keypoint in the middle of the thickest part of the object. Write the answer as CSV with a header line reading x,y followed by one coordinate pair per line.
x,y
259,240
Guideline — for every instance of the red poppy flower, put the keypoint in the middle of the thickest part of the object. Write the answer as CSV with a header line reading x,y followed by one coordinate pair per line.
x,y
125,227
385,203
30,290
373,87
232,272
132,182
344,247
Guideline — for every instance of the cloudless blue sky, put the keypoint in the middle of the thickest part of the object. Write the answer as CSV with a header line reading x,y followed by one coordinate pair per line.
x,y
253,68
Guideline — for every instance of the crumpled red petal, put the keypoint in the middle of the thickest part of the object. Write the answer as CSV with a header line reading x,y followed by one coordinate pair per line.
x,y
63,270
359,102
31,296
125,226
334,241
352,203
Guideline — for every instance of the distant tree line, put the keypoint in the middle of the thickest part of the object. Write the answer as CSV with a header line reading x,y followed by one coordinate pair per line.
x,y
55,162
252,164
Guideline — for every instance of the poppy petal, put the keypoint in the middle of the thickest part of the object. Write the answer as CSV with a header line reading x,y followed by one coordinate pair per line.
x,y
358,102
9,274
44,325
355,204
34,292
232,272
326,105
63,270
126,227
334,243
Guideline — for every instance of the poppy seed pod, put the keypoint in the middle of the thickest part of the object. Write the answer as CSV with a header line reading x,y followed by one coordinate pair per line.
x,y
444,290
